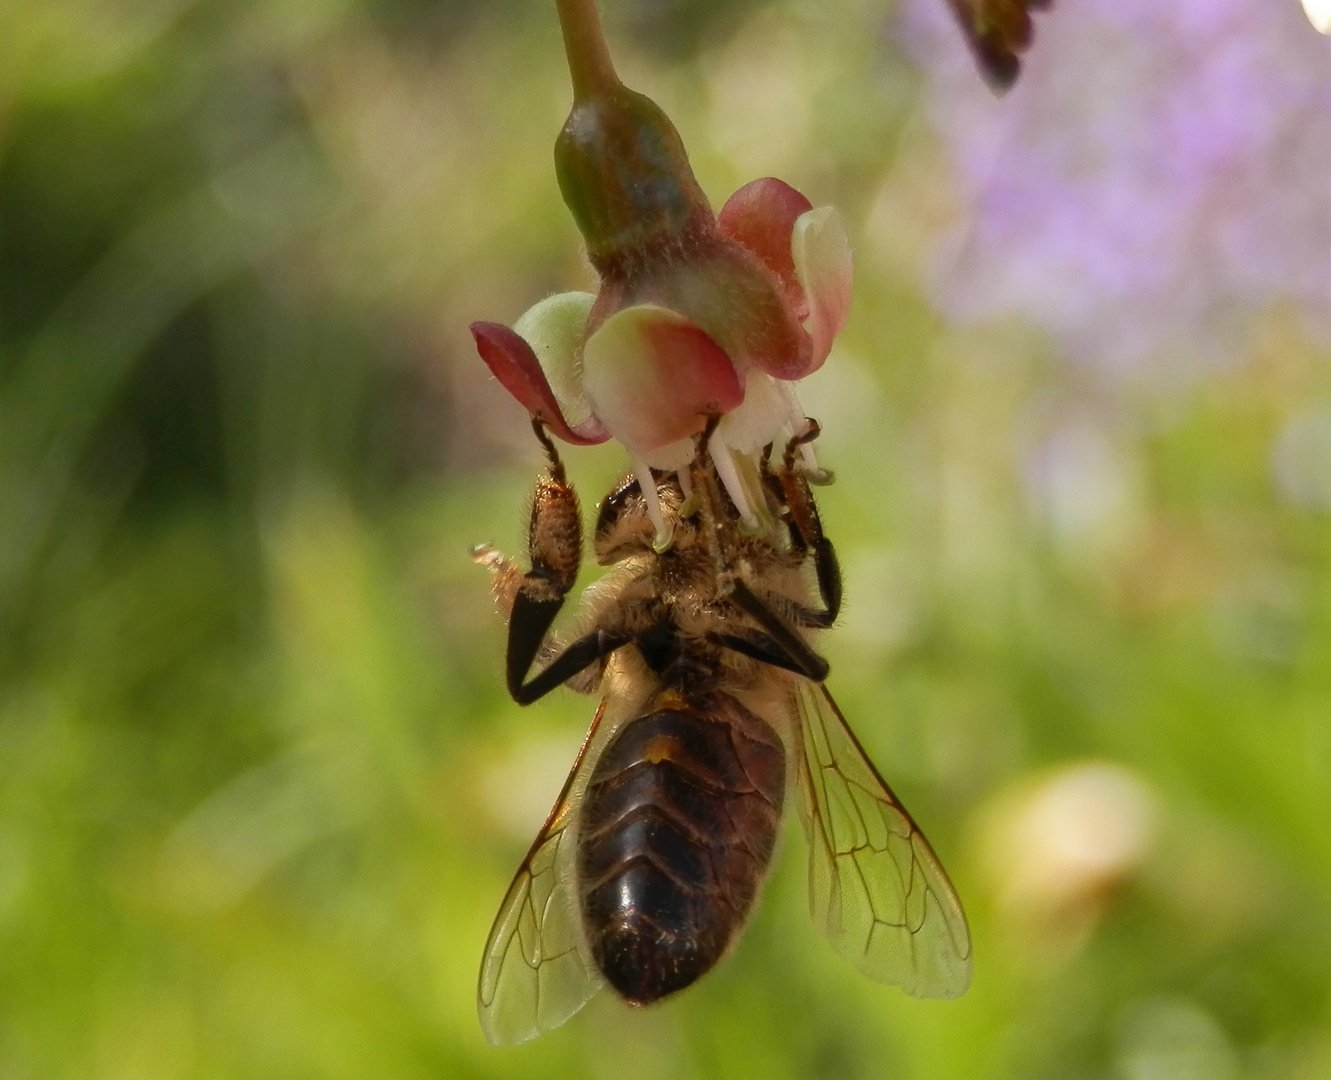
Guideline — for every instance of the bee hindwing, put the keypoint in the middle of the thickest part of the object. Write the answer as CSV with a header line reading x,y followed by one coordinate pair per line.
x,y
876,888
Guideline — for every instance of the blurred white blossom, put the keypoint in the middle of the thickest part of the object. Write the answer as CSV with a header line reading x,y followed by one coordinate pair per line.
x,y
1057,848
1301,459
1085,484
1167,1038
1319,14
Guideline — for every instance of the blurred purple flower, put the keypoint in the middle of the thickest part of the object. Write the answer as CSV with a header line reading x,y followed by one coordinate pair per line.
x,y
1160,172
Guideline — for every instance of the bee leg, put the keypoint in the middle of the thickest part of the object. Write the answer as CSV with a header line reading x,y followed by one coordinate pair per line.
x,y
554,532
767,650
702,478
554,545
807,532
828,570
580,655
777,644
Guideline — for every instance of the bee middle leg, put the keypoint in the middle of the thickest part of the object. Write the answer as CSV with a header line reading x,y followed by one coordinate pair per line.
x,y
767,649
776,643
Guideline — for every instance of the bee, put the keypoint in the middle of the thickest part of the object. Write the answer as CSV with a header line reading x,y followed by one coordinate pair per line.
x,y
997,31
712,698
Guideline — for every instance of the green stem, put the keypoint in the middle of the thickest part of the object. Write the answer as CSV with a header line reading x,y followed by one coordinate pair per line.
x,y
589,63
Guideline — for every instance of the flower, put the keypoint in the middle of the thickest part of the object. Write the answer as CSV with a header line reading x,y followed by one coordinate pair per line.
x,y
697,315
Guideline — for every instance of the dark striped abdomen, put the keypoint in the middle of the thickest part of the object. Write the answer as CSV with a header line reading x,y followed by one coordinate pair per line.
x,y
677,828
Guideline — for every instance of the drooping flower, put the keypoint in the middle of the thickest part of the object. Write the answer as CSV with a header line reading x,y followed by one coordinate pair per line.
x,y
697,315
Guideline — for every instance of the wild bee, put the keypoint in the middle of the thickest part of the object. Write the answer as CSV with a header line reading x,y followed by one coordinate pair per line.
x,y
711,699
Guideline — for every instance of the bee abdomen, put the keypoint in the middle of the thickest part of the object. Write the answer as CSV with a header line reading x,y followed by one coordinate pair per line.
x,y
677,830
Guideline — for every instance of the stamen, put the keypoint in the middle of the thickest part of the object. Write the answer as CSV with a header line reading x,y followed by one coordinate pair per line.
x,y
689,504
799,423
813,473
685,483
647,484
724,459
751,476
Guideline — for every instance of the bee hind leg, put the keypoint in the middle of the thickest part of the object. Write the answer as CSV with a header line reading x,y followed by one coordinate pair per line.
x,y
554,546
526,636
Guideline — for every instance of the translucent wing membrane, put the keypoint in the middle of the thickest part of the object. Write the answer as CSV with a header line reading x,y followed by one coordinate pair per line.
x,y
536,972
876,888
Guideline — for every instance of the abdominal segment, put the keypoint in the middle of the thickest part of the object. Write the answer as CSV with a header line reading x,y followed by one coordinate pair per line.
x,y
677,830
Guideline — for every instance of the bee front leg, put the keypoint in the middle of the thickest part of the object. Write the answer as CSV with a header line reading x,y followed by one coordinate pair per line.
x,y
717,521
808,528
706,500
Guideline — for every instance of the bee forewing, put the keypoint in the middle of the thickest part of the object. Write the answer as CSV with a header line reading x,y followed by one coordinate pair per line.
x,y
876,888
536,972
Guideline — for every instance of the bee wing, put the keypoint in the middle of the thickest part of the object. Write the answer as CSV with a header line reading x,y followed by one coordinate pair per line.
x,y
876,888
536,972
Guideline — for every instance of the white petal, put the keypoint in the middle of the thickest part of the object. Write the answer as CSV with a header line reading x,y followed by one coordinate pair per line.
x,y
821,251
653,376
762,418
1319,14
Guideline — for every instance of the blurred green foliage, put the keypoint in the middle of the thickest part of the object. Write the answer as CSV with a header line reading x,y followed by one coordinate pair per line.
x,y
260,788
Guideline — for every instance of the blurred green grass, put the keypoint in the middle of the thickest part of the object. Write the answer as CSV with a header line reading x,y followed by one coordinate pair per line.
x,y
260,788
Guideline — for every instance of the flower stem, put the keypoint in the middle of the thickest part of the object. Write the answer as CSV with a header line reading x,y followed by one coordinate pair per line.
x,y
589,64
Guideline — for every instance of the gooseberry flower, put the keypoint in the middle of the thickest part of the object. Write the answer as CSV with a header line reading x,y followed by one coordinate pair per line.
x,y
698,314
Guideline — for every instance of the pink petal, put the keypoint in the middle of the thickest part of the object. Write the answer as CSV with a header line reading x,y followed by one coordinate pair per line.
x,y
821,253
739,302
514,364
761,216
653,377
554,328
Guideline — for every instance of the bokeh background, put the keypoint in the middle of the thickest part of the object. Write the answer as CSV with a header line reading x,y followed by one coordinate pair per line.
x,y
260,788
